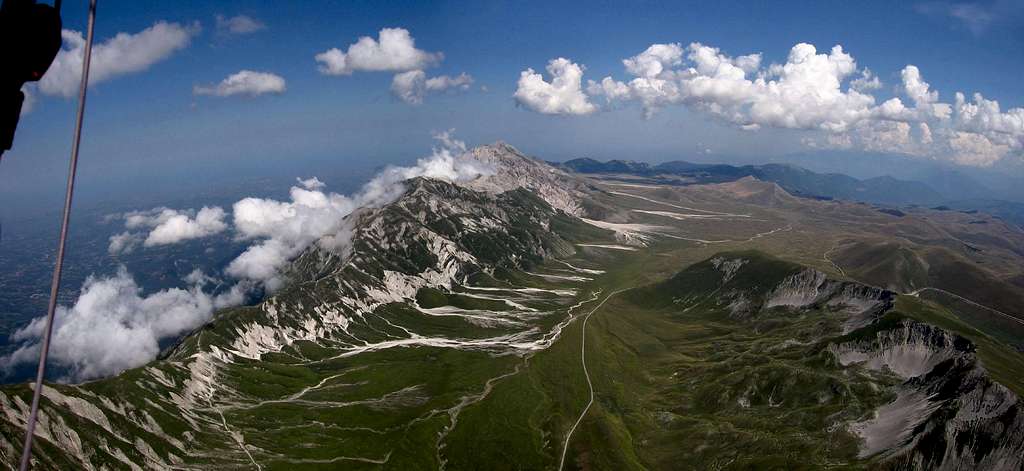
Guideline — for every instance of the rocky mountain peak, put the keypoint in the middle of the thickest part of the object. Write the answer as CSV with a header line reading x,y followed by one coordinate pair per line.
x,y
513,169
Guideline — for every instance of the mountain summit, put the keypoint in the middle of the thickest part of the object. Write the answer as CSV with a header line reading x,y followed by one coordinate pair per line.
x,y
513,169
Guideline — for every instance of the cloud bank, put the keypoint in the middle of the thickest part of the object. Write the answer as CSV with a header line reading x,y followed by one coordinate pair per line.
x,y
822,92
113,325
120,55
246,83
284,229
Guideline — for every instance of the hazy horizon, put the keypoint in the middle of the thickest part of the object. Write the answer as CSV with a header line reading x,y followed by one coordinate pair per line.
x,y
238,91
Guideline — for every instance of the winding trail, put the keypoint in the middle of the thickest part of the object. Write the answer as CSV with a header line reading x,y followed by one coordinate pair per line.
x,y
466,401
665,203
916,293
759,235
590,384
237,436
825,256
968,301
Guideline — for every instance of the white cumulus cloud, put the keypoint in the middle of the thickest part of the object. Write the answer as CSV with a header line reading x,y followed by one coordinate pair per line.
x,y
982,133
412,86
926,100
866,82
122,54
181,227
394,51
984,116
114,326
654,61
824,93
976,133
245,82
284,229
563,95
165,226
804,93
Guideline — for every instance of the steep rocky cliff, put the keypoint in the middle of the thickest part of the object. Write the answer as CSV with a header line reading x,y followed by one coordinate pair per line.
x,y
947,414
512,169
942,409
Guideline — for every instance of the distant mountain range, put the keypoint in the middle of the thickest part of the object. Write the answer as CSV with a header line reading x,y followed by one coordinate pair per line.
x,y
956,182
962,194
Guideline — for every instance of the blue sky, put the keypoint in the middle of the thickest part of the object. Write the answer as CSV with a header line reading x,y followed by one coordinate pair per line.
x,y
216,118
148,128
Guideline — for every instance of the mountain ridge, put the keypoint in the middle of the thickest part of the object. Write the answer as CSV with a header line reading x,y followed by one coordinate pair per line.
x,y
435,235
449,312
795,179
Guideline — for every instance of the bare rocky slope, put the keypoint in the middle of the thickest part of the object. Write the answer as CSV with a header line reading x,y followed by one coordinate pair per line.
x,y
182,411
947,414
940,407
513,169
